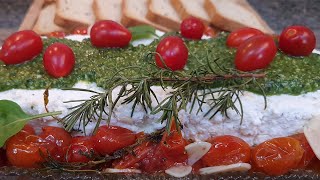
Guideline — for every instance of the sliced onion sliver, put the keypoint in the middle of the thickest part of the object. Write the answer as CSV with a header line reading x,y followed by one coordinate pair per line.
x,y
179,171
312,133
196,151
112,170
226,168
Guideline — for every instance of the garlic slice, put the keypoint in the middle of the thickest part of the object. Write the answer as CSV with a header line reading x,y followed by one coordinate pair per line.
x,y
196,151
112,170
179,171
312,133
226,168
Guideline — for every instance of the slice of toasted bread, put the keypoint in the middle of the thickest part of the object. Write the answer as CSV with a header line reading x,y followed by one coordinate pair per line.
x,y
45,22
232,15
73,13
162,12
108,10
134,13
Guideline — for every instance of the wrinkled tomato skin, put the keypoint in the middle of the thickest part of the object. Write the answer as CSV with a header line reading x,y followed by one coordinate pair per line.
x,y
226,150
173,52
236,38
58,60
109,34
109,139
297,41
80,31
192,28
57,34
308,154
20,47
79,148
255,53
277,156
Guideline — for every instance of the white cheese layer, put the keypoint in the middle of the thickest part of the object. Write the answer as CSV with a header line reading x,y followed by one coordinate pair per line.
x,y
285,114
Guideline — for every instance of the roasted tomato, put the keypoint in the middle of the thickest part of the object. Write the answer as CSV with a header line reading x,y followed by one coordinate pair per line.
x,y
109,34
192,28
57,34
20,47
172,53
238,37
81,150
277,156
80,31
226,150
308,154
109,139
255,53
58,60
297,41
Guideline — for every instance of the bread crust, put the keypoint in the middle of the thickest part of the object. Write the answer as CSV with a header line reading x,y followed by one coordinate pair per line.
x,y
96,11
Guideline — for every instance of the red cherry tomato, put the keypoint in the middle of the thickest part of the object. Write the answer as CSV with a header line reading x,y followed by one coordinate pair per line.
x,y
80,149
256,53
56,135
238,37
277,156
308,154
80,31
58,60
173,52
109,139
192,28
57,34
226,150
20,47
211,32
297,41
109,34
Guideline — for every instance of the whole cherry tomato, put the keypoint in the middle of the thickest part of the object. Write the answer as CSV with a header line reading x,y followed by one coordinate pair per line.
x,y
109,139
80,31
297,41
277,156
238,37
81,149
192,28
211,32
173,52
226,150
57,34
56,135
308,154
20,47
58,60
255,53
109,34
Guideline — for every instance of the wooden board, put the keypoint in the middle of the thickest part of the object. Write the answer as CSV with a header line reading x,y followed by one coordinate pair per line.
x,y
32,15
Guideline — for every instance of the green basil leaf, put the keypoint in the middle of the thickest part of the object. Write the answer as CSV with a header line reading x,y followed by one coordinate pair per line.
x,y
142,32
13,119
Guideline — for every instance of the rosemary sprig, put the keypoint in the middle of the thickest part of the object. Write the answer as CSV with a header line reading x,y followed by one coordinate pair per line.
x,y
222,85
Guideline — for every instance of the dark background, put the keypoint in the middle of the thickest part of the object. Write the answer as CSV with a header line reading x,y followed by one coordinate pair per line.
x,y
277,13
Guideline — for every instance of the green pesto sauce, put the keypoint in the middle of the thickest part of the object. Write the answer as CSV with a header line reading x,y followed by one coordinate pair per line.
x,y
286,75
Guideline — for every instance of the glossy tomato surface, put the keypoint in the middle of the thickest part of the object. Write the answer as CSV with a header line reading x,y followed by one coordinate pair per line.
x,y
171,53
56,135
109,139
57,34
255,53
109,34
80,31
236,38
297,41
58,60
226,150
20,47
192,28
308,154
81,149
277,156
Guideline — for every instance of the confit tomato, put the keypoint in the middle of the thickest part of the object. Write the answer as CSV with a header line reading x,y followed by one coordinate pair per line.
x,y
308,154
172,53
277,156
58,60
80,149
297,41
20,47
226,150
192,28
57,34
255,53
80,31
109,139
238,37
109,34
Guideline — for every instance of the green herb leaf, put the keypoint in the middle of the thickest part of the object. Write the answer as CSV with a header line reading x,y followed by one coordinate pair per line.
x,y
13,119
142,32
